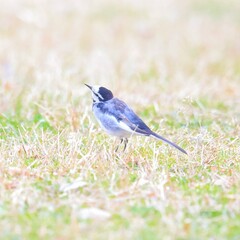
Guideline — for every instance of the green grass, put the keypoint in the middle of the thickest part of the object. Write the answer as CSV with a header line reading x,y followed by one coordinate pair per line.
x,y
176,64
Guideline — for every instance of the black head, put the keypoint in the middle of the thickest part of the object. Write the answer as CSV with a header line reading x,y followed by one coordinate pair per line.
x,y
105,94
100,94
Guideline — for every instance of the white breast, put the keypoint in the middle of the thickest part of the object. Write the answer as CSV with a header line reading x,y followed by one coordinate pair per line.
x,y
111,125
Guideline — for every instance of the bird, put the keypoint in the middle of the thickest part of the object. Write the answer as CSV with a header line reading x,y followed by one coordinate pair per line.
x,y
118,119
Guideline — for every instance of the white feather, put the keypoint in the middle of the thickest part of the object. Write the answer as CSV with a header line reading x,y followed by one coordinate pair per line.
x,y
125,127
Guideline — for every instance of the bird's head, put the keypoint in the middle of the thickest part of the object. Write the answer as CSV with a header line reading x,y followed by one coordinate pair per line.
x,y
100,94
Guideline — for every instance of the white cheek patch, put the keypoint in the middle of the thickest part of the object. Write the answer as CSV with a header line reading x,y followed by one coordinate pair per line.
x,y
95,93
95,98
99,96
95,88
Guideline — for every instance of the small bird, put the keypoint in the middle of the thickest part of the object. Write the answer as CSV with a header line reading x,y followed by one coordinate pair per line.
x,y
117,119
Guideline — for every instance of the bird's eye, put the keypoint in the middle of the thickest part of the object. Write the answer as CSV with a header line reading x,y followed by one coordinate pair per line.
x,y
95,94
98,95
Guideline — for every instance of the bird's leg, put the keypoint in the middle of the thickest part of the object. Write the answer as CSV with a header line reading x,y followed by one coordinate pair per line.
x,y
119,144
125,144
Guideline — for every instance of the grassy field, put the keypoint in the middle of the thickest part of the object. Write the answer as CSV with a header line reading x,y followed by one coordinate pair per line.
x,y
177,63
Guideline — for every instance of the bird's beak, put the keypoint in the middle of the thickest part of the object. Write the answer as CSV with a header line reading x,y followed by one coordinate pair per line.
x,y
88,86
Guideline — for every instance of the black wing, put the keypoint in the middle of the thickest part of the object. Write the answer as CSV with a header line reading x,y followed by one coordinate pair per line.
x,y
123,113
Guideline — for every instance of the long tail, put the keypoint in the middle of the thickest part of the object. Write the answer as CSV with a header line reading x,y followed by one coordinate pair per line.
x,y
153,134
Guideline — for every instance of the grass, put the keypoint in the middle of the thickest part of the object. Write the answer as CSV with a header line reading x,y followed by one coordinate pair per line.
x,y
176,64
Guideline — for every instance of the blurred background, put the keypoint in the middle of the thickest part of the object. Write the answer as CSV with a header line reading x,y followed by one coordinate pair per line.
x,y
176,63
162,50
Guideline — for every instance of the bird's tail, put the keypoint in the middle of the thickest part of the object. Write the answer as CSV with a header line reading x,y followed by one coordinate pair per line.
x,y
153,134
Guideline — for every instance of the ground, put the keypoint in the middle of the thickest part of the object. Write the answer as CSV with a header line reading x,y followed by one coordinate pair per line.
x,y
176,63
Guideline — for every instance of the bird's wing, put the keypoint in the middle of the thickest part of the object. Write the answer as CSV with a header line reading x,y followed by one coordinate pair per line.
x,y
130,122
128,119
127,125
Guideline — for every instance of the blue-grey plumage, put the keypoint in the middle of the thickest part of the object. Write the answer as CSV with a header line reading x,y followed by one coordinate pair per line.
x,y
117,119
